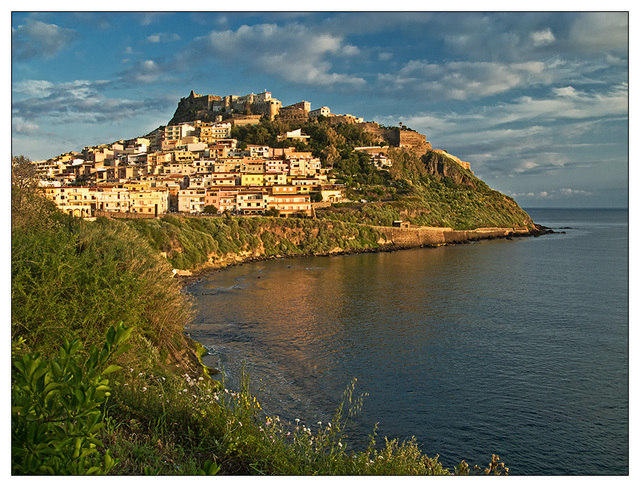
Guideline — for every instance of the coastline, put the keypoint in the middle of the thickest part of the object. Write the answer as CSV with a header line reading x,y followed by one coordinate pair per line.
x,y
395,239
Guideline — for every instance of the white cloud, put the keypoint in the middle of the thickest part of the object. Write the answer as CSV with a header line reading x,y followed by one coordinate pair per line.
x,y
295,52
39,88
35,39
568,91
145,72
570,104
542,38
162,37
20,127
552,194
350,50
462,80
75,101
573,192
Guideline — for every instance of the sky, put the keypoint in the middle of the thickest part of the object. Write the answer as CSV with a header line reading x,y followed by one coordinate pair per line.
x,y
537,102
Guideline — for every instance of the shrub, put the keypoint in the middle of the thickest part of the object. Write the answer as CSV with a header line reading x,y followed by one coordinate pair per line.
x,y
56,408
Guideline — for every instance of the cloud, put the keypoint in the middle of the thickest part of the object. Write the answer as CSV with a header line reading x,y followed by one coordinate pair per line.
x,y
162,37
528,136
462,80
569,103
294,53
38,39
147,71
542,38
552,194
76,101
20,127
600,31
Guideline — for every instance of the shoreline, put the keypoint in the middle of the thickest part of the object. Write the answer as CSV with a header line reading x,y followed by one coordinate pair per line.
x,y
431,237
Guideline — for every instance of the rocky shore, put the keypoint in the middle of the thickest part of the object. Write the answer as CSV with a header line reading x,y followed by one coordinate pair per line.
x,y
394,239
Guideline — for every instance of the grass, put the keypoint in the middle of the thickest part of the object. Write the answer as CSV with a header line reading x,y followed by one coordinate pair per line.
x,y
175,425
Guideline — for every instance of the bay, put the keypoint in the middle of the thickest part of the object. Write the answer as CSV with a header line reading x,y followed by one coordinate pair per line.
x,y
518,348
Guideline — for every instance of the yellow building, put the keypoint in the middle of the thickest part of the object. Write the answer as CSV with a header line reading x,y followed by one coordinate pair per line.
x,y
153,202
252,180
73,200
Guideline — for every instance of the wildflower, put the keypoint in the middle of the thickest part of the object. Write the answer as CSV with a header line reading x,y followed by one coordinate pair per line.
x,y
144,389
130,370
297,420
339,445
140,374
319,423
184,390
240,423
200,378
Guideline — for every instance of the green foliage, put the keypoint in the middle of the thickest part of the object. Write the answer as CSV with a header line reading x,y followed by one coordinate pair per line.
x,y
30,209
200,240
56,414
73,280
187,425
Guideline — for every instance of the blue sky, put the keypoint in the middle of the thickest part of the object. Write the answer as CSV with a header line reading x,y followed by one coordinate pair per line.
x,y
537,102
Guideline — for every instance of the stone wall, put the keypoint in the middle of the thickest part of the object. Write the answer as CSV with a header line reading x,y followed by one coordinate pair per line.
x,y
416,236
122,214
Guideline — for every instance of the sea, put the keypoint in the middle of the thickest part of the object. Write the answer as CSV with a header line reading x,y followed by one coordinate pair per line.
x,y
518,348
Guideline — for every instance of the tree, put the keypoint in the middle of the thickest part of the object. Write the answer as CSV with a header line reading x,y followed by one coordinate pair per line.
x,y
24,181
29,207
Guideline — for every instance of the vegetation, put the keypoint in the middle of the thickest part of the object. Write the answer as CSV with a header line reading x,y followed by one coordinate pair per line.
x,y
57,409
193,242
150,408
429,190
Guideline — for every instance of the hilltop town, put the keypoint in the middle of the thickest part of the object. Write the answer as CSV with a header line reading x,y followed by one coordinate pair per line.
x,y
193,165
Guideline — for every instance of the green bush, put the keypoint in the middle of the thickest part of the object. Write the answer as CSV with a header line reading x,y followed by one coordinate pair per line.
x,y
56,408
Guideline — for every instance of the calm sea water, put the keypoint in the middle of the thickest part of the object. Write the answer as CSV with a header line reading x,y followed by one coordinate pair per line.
x,y
518,348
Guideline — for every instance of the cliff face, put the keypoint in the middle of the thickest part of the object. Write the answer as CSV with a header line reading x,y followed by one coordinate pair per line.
x,y
442,166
